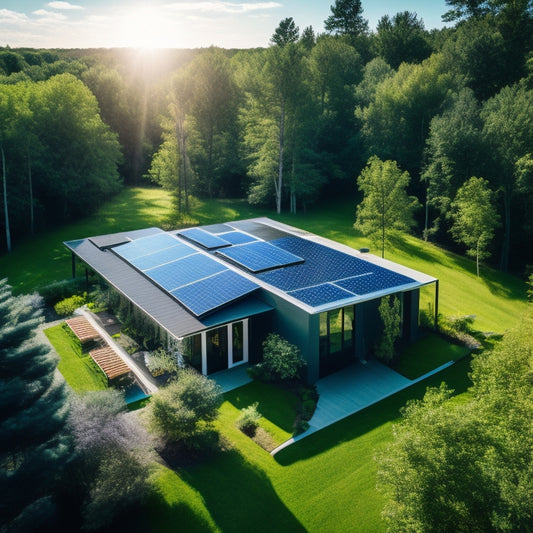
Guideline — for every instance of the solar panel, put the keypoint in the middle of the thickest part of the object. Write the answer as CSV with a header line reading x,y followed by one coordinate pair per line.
x,y
203,238
258,256
145,246
378,280
237,237
320,294
184,271
163,256
211,293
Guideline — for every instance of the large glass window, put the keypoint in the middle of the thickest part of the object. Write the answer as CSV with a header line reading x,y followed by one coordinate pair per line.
x,y
192,351
217,349
336,339
237,331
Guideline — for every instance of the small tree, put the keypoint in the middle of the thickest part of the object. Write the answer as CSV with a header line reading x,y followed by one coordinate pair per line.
x,y
386,207
281,359
474,218
112,460
185,408
389,310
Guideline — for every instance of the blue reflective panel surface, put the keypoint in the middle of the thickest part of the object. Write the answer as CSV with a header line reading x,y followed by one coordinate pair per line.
x,y
211,293
184,271
259,255
320,294
145,246
203,238
379,280
237,237
163,256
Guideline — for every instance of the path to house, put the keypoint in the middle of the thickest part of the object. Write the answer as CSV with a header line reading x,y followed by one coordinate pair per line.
x,y
352,389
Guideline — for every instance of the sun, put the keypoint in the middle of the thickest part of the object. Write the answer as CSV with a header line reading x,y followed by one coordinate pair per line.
x,y
144,27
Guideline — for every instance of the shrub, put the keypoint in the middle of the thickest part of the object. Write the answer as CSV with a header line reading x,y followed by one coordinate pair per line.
x,y
161,362
281,360
249,419
54,292
69,305
389,310
185,409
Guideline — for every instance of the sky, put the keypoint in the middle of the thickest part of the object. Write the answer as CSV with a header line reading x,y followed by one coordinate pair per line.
x,y
177,23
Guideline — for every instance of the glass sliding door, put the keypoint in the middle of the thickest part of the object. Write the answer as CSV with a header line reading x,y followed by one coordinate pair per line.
x,y
336,339
217,349
237,330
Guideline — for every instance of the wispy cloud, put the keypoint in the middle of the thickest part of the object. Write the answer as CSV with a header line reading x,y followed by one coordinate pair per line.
x,y
63,5
12,17
223,7
49,15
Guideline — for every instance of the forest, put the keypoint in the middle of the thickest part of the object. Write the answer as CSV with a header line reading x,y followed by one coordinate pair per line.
x,y
284,126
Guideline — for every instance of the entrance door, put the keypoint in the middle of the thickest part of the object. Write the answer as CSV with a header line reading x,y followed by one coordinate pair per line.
x,y
217,349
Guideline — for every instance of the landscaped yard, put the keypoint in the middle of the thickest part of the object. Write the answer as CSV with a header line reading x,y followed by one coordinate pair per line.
x,y
77,367
327,481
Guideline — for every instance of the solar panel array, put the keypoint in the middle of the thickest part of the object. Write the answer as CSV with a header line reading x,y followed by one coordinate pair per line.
x,y
328,275
259,256
203,238
198,281
314,274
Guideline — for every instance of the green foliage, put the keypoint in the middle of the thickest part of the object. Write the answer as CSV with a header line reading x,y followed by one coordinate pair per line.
x,y
185,408
346,18
113,454
69,305
249,419
281,360
59,290
401,39
474,218
389,311
385,208
34,446
466,466
161,361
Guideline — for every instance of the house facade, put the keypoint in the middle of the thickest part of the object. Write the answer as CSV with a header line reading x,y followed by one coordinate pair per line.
x,y
215,292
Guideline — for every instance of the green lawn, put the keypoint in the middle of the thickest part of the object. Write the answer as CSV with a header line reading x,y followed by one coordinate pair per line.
x,y
427,354
325,482
78,369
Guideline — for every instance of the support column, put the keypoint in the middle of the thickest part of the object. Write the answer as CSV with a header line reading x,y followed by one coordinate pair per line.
x,y
73,265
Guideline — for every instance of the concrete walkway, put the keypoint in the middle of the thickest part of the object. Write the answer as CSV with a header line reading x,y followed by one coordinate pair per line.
x,y
233,378
352,389
144,377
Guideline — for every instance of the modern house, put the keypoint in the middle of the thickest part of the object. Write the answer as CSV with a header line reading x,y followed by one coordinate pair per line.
x,y
218,290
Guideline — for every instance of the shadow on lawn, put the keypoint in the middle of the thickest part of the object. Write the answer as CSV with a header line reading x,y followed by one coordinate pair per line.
x,y
239,496
386,411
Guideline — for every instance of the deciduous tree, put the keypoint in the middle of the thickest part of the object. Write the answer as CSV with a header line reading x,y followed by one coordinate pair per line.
x,y
474,218
386,208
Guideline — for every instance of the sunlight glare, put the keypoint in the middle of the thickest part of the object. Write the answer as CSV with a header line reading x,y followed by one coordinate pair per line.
x,y
146,27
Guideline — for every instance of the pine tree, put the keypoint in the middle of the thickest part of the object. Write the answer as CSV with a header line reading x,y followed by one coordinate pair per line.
x,y
33,444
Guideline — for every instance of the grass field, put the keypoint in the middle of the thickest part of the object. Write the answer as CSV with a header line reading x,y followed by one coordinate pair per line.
x,y
327,481
77,368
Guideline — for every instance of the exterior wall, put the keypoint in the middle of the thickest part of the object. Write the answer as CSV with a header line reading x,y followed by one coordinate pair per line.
x,y
299,328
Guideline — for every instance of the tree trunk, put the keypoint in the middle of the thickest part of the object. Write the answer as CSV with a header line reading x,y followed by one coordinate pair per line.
x,y
8,232
280,163
504,261
477,257
426,215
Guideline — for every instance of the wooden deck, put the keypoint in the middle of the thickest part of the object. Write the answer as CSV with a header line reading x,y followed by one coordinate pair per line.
x,y
81,327
109,362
